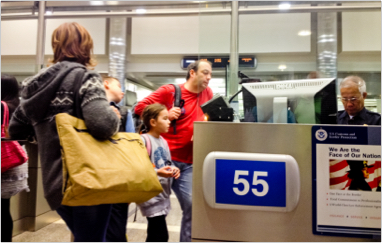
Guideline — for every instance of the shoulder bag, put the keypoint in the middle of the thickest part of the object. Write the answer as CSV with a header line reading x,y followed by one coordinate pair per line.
x,y
117,170
12,154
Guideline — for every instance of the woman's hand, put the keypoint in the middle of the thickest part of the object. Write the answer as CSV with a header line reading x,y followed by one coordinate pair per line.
x,y
116,111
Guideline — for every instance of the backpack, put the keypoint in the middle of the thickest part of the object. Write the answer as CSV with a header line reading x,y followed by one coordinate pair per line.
x,y
123,111
178,102
136,119
147,139
148,143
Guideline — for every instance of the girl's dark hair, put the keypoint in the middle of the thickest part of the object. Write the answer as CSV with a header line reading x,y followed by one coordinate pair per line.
x,y
150,112
10,92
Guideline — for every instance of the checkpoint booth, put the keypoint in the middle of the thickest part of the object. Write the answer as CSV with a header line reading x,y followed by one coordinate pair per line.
x,y
285,182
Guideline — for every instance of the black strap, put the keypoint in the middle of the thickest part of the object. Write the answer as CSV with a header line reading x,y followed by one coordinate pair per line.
x,y
177,95
76,92
123,111
177,102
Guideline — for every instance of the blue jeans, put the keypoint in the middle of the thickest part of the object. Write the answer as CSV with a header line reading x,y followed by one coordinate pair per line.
x,y
183,191
87,223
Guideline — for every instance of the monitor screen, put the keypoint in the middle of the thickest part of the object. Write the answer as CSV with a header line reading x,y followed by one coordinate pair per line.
x,y
309,101
130,98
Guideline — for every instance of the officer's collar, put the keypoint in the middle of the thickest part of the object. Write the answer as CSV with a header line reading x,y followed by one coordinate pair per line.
x,y
361,114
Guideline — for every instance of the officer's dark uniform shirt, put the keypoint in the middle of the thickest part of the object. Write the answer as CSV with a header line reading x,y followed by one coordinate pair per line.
x,y
363,117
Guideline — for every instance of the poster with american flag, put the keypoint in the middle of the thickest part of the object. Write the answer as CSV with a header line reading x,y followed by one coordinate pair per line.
x,y
339,174
346,181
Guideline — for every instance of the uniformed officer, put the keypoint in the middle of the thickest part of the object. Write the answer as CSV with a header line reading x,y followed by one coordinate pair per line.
x,y
353,94
358,174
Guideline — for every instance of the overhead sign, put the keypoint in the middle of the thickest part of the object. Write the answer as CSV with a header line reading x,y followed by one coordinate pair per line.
x,y
346,180
251,181
221,62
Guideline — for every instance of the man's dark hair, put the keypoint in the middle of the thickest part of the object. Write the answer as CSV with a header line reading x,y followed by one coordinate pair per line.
x,y
194,66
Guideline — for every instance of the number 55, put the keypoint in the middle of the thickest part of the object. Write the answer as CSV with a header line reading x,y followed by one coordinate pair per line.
x,y
255,182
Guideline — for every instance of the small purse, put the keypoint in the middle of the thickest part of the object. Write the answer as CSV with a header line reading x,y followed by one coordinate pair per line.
x,y
12,154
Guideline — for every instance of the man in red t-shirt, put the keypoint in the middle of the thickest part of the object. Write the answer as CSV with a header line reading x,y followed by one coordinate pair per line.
x,y
195,92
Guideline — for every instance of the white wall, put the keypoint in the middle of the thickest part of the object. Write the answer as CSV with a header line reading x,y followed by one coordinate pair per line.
x,y
19,37
361,31
264,33
272,33
163,35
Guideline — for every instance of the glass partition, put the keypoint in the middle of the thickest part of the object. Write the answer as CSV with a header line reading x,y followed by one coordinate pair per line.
x,y
292,45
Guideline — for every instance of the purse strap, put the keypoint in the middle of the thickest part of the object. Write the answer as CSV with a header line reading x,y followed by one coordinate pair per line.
x,y
76,92
148,143
6,114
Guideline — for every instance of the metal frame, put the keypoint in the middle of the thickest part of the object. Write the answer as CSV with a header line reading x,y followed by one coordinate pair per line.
x,y
195,12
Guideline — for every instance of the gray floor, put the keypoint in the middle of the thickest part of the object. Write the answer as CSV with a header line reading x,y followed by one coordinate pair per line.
x,y
136,230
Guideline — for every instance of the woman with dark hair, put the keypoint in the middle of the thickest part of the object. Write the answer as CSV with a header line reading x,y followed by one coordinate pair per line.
x,y
10,92
13,180
50,92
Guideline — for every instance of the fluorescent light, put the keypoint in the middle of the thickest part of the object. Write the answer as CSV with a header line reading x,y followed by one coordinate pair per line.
x,y
49,12
96,2
284,6
282,67
304,33
140,10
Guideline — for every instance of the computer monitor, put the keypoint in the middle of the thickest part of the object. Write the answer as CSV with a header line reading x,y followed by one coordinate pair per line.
x,y
130,97
309,101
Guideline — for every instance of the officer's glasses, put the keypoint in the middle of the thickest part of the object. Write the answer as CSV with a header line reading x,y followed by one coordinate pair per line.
x,y
351,100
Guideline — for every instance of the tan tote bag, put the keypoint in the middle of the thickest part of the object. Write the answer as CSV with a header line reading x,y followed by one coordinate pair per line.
x,y
111,171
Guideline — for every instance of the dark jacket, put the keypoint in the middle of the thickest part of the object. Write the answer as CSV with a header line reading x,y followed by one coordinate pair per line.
x,y
51,92
359,184
363,117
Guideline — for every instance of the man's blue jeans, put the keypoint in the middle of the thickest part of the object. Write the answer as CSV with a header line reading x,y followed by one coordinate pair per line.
x,y
183,191
87,223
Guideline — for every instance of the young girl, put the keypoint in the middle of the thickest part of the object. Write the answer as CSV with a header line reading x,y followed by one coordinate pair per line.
x,y
155,121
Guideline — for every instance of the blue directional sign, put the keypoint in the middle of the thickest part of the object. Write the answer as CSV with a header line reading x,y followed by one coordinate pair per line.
x,y
252,183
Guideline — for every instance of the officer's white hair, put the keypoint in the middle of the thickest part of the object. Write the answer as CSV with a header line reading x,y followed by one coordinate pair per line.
x,y
357,81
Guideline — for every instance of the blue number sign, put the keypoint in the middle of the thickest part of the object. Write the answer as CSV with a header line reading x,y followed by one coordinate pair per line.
x,y
253,183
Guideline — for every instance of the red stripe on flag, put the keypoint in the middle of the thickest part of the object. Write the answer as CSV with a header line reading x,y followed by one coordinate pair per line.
x,y
347,184
376,166
338,180
371,170
375,182
338,166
